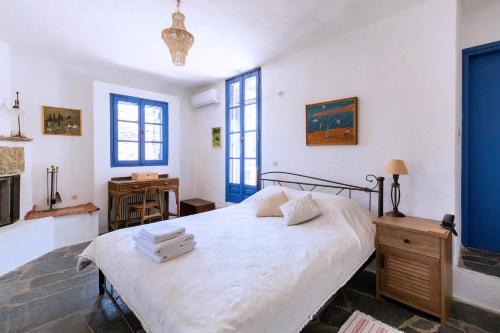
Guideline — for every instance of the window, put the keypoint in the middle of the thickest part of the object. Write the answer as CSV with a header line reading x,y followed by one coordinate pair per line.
x,y
243,107
139,131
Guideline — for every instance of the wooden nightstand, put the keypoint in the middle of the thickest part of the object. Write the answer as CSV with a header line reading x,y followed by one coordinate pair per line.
x,y
414,263
196,206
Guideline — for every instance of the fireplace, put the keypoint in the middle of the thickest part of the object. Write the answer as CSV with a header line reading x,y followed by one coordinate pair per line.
x,y
9,199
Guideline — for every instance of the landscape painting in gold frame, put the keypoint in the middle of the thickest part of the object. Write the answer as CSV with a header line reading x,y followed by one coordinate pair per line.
x,y
332,123
61,121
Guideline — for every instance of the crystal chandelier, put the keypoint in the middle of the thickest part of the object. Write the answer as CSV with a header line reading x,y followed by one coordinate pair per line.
x,y
177,38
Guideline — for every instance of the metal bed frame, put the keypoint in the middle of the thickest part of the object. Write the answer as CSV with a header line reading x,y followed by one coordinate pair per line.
x,y
325,183
305,183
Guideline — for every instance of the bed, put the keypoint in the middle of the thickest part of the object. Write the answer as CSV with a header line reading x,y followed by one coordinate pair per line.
x,y
246,274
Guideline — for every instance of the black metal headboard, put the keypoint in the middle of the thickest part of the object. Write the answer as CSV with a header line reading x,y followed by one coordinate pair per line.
x,y
315,182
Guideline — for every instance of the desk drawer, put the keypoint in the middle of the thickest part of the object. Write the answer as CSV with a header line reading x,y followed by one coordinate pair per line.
x,y
409,241
167,182
134,186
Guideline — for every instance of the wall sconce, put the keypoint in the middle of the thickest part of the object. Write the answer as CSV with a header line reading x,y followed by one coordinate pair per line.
x,y
17,109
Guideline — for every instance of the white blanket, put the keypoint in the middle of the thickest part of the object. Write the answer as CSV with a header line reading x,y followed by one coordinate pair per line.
x,y
246,274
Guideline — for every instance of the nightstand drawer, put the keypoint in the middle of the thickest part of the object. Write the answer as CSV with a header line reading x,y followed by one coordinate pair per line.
x,y
409,241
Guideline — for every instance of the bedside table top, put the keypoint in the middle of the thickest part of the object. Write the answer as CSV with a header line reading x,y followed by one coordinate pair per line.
x,y
197,202
415,224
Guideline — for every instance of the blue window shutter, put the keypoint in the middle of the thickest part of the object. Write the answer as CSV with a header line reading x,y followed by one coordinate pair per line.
x,y
114,100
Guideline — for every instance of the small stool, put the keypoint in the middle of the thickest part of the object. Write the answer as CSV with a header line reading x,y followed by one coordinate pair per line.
x,y
195,206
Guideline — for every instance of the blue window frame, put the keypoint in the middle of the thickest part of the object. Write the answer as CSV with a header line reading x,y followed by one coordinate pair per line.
x,y
243,128
139,131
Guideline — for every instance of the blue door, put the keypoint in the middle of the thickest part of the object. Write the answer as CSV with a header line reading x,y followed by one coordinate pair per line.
x,y
243,104
481,147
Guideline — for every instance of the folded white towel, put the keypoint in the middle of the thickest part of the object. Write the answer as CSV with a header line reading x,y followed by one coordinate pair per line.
x,y
159,232
165,246
168,251
188,247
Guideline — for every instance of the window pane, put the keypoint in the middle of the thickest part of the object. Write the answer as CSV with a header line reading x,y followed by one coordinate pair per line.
x,y
234,94
153,133
251,117
128,111
153,114
250,172
128,131
234,171
153,151
128,151
251,144
250,90
235,120
234,142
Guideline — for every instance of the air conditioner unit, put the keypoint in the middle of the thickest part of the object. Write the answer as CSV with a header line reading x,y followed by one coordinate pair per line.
x,y
205,98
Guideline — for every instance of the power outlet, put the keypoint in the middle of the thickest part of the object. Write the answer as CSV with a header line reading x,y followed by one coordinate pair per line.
x,y
275,163
74,197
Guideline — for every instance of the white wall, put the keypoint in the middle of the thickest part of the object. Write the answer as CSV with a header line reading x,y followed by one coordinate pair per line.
x,y
480,22
4,72
404,112
210,162
405,72
42,81
5,119
102,160
29,240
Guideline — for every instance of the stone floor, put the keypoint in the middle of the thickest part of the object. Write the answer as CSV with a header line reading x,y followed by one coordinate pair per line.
x,y
48,295
481,261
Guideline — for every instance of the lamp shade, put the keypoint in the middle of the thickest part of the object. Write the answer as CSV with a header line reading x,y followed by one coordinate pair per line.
x,y
396,167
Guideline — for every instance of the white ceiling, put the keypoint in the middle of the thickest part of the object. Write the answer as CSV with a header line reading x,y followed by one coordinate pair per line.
x,y
231,36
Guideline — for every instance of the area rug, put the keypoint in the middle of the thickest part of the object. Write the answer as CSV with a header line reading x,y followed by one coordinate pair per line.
x,y
360,322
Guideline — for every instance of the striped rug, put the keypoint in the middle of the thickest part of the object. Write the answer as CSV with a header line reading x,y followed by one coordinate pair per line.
x,y
360,322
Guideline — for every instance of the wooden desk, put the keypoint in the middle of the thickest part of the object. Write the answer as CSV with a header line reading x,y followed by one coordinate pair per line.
x,y
119,188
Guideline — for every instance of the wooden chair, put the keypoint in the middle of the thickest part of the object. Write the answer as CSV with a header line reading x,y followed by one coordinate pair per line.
x,y
150,207
165,190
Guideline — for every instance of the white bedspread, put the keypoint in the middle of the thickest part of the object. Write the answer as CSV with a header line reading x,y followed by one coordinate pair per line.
x,y
246,274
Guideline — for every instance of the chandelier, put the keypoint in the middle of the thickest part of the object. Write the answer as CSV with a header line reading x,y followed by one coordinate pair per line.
x,y
177,38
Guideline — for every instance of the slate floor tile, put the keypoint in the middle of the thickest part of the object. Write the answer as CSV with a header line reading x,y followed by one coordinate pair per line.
x,y
363,282
70,324
469,314
47,290
381,309
319,327
334,316
478,267
31,315
49,267
48,295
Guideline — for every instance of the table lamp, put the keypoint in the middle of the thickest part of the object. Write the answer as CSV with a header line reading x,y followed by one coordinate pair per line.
x,y
396,168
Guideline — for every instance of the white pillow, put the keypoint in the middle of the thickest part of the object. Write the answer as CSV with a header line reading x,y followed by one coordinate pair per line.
x,y
269,205
300,210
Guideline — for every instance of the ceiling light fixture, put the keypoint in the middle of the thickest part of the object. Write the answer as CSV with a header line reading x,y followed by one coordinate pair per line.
x,y
177,38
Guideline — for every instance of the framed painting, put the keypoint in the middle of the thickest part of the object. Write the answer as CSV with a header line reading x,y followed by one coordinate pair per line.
x,y
61,121
216,138
332,122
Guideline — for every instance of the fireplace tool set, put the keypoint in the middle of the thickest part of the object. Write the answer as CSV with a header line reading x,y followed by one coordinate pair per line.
x,y
53,195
